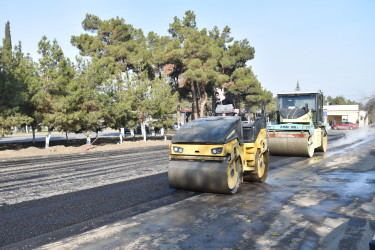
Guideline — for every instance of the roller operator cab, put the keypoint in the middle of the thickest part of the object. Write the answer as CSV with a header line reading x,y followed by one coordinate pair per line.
x,y
214,154
300,128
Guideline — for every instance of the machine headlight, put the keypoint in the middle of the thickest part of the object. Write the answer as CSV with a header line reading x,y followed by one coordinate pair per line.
x,y
270,127
178,149
217,151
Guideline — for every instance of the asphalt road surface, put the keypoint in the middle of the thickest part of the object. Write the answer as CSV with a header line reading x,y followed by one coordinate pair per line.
x,y
121,199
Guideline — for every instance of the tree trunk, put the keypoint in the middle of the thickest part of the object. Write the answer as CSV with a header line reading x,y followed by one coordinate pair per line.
x,y
203,104
162,132
194,97
66,136
179,110
121,141
48,137
165,134
199,99
143,128
122,134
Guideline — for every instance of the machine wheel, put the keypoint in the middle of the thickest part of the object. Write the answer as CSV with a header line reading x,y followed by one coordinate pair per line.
x,y
261,168
310,147
335,128
351,128
233,175
323,148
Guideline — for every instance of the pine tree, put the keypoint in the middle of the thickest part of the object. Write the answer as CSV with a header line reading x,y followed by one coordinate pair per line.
x,y
192,55
8,38
82,105
204,60
27,73
6,56
121,50
163,104
12,87
55,74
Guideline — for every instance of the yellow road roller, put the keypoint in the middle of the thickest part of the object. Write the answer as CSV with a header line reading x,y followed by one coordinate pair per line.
x,y
214,154
300,128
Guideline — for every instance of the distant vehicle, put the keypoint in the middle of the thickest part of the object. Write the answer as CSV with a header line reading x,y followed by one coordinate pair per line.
x,y
344,125
138,130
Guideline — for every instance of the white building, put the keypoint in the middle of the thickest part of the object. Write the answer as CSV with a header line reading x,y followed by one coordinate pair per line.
x,y
345,113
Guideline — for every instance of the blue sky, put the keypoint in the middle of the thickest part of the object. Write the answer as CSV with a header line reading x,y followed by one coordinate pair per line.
x,y
323,44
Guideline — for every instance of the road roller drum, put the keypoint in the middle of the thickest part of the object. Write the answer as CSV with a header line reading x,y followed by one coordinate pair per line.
x,y
205,176
284,143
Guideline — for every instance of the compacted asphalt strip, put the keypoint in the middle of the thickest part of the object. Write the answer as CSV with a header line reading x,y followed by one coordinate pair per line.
x,y
36,197
65,215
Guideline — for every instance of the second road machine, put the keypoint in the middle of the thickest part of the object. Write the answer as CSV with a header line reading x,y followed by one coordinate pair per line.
x,y
300,128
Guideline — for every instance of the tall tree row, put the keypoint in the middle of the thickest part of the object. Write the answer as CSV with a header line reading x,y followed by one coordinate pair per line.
x,y
125,57
123,78
341,100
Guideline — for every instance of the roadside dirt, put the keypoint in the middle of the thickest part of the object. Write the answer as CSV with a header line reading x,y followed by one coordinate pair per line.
x,y
28,149
79,146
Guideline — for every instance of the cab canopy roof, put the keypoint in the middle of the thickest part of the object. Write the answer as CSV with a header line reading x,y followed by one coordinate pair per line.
x,y
300,93
210,130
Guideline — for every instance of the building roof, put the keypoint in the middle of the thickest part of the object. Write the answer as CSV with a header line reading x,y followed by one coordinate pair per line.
x,y
341,107
300,92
